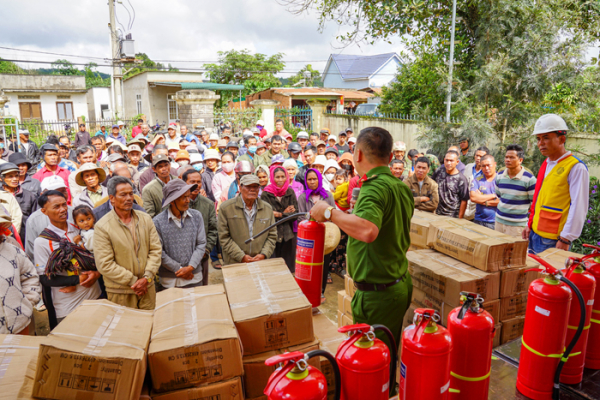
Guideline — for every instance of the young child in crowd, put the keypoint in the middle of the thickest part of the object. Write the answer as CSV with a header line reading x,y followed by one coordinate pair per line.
x,y
341,190
85,220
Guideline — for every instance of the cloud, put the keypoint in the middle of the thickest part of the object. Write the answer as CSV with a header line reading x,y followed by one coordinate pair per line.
x,y
173,30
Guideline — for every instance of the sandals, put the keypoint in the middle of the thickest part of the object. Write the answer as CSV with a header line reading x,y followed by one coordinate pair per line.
x,y
329,279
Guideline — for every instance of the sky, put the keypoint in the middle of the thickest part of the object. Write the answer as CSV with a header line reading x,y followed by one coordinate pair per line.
x,y
172,30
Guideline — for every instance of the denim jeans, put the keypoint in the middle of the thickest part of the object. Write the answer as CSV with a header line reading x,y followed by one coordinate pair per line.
x,y
538,244
491,225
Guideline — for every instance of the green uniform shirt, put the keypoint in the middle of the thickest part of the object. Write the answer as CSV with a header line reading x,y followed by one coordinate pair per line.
x,y
388,203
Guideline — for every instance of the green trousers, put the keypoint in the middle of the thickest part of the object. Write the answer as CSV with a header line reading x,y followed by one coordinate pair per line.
x,y
384,308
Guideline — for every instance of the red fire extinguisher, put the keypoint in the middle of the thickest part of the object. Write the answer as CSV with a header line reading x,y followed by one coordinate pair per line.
x,y
592,356
296,380
543,352
367,365
472,331
309,259
425,361
572,372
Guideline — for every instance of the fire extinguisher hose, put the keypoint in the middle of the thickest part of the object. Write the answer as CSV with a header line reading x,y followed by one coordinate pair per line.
x,y
281,221
393,354
336,370
565,357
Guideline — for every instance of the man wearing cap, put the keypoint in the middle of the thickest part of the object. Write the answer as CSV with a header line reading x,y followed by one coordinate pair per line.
x,y
172,136
351,144
561,198
27,147
399,150
324,134
136,130
342,146
148,175
116,134
331,153
182,235
321,147
302,138
331,141
127,249
25,198
213,141
240,218
260,125
101,131
182,158
152,195
25,180
49,154
82,137
134,154
234,148
90,176
295,151
349,133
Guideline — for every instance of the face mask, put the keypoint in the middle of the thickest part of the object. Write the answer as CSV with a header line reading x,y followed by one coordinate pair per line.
x,y
197,167
252,149
183,163
347,167
1,145
227,167
329,177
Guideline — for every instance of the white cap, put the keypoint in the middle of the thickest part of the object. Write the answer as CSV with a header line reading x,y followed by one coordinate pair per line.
x,y
120,123
173,146
134,147
352,140
331,163
332,137
214,136
320,160
260,122
549,123
302,135
53,182
195,158
211,154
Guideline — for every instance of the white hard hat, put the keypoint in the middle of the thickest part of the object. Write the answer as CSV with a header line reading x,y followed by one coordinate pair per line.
x,y
332,137
214,136
399,146
549,123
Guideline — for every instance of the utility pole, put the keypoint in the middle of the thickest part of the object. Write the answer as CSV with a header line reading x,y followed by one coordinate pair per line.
x,y
451,63
117,81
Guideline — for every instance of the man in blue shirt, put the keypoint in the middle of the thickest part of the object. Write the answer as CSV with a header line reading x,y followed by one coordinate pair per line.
x,y
483,193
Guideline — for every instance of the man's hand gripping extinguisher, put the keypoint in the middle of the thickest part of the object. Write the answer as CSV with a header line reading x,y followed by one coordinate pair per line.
x,y
367,365
472,331
296,380
546,319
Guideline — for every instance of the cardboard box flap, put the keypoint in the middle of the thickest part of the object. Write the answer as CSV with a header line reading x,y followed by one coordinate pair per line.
x,y
262,357
475,232
261,289
444,265
557,257
95,328
18,357
185,317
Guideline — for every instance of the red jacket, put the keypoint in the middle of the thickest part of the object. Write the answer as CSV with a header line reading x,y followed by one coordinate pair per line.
x,y
61,172
354,182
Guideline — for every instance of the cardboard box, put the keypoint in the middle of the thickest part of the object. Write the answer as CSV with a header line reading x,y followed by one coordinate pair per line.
x,y
557,258
256,373
419,228
517,280
443,277
408,316
480,247
343,319
513,306
329,340
18,358
498,335
269,310
349,284
422,300
194,340
225,390
98,350
512,329
344,303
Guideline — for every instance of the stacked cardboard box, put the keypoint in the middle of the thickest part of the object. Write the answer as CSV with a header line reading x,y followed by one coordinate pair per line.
x,y
194,351
99,351
419,228
344,313
557,258
271,315
329,340
18,358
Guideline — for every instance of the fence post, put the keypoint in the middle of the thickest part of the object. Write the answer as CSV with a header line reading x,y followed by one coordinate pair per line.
x,y
268,112
196,107
318,108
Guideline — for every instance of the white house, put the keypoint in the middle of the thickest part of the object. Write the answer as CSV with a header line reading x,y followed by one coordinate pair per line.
x,y
360,72
45,97
99,103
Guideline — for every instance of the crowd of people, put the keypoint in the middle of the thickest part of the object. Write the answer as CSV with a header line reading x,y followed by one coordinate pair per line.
x,y
108,217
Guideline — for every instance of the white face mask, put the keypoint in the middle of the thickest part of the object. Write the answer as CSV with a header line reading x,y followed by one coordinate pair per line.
x,y
227,166
183,163
329,177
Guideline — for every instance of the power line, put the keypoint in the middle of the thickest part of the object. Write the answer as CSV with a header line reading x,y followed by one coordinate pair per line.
x,y
55,54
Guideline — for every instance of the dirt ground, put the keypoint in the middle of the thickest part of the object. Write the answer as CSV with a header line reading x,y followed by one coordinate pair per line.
x,y
329,308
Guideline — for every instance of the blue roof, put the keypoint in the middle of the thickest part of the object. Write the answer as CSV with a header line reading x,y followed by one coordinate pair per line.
x,y
357,67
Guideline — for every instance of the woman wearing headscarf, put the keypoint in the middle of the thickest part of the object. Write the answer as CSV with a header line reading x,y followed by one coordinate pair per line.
x,y
292,169
283,200
313,193
262,172
331,167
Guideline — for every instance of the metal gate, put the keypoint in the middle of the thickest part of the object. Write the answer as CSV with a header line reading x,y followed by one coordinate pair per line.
x,y
295,118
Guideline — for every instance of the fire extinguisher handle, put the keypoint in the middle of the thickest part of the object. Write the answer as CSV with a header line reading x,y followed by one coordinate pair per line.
x,y
591,246
281,358
356,327
549,268
393,353
334,365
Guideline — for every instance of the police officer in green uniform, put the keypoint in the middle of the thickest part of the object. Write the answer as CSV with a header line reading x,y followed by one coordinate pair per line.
x,y
379,231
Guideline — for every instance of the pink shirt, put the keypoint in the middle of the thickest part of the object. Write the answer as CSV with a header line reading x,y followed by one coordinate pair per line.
x,y
220,183
62,172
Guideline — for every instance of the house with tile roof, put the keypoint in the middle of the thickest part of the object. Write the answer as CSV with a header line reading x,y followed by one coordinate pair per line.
x,y
344,71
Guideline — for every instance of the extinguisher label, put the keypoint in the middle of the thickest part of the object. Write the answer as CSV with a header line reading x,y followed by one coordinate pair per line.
x,y
445,387
402,382
542,311
590,302
304,254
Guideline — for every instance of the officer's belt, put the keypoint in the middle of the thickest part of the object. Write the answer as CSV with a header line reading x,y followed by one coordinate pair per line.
x,y
376,287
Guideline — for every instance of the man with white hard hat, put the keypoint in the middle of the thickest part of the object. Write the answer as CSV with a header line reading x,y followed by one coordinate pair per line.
x,y
399,149
561,198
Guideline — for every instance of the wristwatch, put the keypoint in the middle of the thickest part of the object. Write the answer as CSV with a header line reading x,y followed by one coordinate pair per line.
x,y
327,213
149,279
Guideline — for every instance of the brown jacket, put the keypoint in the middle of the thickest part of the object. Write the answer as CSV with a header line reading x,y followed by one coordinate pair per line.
x,y
117,260
233,230
429,189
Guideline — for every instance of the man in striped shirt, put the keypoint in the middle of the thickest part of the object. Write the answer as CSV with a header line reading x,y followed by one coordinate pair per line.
x,y
514,187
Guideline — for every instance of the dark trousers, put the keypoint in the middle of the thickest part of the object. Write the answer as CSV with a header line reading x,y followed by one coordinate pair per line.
x,y
326,261
287,251
205,270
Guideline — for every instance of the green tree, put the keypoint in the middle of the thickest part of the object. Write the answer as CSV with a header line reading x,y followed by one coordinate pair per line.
x,y
255,71
65,67
8,67
315,79
144,63
93,78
